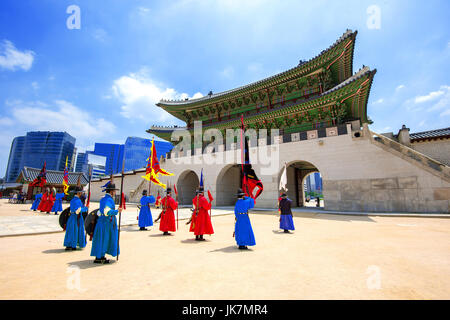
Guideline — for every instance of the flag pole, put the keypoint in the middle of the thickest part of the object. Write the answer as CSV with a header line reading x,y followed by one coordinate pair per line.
x,y
89,187
176,193
120,206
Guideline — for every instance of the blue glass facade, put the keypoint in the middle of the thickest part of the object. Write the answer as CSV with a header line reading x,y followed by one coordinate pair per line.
x,y
15,159
113,154
137,151
39,146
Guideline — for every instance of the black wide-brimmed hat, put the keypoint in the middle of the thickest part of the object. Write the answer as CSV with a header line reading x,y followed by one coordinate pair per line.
x,y
144,193
76,189
110,187
168,190
240,193
284,195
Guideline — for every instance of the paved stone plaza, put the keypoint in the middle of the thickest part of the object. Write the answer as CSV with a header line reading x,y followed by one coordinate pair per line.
x,y
329,256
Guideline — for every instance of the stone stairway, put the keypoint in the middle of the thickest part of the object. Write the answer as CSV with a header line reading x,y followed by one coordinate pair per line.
x,y
431,165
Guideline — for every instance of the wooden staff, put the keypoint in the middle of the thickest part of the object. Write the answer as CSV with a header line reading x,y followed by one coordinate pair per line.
x,y
120,206
176,195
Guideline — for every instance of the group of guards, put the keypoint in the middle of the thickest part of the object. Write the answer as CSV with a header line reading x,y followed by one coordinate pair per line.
x,y
103,230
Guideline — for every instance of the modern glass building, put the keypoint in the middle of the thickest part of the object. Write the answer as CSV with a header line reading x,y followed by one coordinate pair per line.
x,y
113,154
15,159
137,150
38,147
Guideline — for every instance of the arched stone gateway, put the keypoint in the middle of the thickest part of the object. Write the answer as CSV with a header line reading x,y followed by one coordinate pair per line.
x,y
187,183
297,171
227,183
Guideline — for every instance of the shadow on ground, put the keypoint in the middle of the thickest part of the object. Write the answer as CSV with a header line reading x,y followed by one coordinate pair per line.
x,y
231,249
87,264
62,250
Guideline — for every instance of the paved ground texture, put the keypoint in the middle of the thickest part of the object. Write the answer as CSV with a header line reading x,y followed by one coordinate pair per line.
x,y
327,257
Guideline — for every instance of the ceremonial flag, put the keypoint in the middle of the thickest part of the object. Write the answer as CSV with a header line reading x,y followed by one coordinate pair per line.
x,y
283,180
153,168
66,179
210,196
250,181
174,189
41,179
122,203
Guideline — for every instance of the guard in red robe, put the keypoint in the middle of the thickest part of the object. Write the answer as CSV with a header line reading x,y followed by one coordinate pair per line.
x,y
46,202
50,201
202,220
158,201
43,205
167,215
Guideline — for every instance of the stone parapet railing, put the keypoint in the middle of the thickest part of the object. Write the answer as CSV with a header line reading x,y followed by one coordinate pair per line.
x,y
312,134
431,165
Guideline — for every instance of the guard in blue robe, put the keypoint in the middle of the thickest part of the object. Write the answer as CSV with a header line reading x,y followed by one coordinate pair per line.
x,y
37,200
106,233
57,205
243,231
75,235
145,214
286,221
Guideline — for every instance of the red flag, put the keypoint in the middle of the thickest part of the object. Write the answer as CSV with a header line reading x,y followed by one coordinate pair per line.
x,y
88,199
41,179
175,189
123,205
210,196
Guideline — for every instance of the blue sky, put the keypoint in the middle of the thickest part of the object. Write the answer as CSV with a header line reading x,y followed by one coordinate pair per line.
x,y
100,82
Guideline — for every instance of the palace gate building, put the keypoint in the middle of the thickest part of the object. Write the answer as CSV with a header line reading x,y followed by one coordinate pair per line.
x,y
315,116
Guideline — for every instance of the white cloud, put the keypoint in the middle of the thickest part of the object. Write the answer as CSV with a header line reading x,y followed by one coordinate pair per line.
x,y
35,85
379,101
12,59
445,113
227,73
402,86
60,116
429,97
139,94
100,35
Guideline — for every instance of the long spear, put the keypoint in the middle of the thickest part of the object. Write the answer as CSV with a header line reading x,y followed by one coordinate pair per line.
x,y
89,187
120,206
176,194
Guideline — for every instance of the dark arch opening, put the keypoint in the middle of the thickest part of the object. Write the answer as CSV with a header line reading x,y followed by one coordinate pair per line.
x,y
186,185
227,184
297,174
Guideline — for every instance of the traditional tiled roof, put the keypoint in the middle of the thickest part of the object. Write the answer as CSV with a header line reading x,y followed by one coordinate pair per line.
x,y
53,177
302,64
432,134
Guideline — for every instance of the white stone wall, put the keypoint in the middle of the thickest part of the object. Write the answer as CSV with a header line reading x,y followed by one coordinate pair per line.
x,y
436,149
357,176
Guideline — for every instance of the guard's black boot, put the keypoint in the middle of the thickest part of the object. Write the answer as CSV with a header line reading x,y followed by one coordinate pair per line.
x,y
104,260
242,247
200,238
166,233
74,248
68,248
98,260
286,231
143,229
196,238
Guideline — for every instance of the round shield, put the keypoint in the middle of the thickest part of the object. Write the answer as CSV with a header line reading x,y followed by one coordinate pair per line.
x,y
85,215
90,222
63,217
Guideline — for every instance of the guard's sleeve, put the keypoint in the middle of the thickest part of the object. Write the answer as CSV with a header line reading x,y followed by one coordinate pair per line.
x,y
251,202
173,204
151,199
204,203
